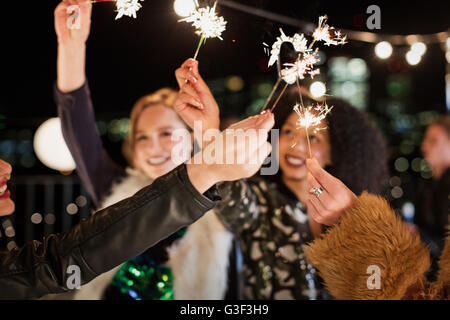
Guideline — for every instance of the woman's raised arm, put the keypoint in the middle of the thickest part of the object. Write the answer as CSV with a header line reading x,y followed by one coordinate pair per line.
x,y
95,167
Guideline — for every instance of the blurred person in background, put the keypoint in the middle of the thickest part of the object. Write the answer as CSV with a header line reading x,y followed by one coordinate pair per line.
x,y
433,195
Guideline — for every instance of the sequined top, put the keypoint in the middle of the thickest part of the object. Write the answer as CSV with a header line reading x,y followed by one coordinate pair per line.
x,y
145,277
271,225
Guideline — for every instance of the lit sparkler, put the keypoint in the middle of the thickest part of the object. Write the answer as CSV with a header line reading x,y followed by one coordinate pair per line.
x,y
293,72
328,34
311,116
304,65
298,41
124,7
207,24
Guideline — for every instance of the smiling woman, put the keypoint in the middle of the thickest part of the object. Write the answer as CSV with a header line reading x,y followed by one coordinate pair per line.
x,y
148,150
42,267
6,204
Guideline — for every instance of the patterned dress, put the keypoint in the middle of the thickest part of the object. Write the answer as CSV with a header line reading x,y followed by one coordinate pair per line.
x,y
271,225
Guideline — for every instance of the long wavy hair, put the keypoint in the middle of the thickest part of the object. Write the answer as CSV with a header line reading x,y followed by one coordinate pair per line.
x,y
358,150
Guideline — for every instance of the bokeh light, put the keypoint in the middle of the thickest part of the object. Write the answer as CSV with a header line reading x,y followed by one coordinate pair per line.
x,y
183,8
401,164
317,89
72,208
413,58
50,147
235,83
383,50
419,47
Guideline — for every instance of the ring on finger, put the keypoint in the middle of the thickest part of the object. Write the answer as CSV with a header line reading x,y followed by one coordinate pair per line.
x,y
316,191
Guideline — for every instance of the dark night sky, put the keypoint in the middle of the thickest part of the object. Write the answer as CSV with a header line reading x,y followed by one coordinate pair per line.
x,y
128,58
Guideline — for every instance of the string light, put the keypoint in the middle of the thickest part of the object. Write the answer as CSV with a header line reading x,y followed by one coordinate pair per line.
x,y
383,50
413,57
419,47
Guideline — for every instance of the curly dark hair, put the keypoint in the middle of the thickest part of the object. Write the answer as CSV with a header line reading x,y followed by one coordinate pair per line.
x,y
358,150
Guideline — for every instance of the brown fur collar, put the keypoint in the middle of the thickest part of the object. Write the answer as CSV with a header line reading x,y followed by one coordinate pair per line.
x,y
369,234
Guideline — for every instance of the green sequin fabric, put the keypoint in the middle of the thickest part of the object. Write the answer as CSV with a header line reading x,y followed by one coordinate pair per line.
x,y
144,278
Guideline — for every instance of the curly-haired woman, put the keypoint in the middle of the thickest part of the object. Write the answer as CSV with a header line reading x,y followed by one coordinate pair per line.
x,y
271,215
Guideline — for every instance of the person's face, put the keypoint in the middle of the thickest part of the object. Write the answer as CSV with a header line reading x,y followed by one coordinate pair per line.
x,y
436,146
153,140
6,204
293,148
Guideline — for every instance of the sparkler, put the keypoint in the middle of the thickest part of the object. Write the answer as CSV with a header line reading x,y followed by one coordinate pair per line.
x,y
124,7
307,58
207,24
311,116
327,34
298,41
304,65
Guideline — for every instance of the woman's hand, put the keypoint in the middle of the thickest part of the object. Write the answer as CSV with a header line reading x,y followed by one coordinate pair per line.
x,y
195,101
73,26
248,151
328,207
72,32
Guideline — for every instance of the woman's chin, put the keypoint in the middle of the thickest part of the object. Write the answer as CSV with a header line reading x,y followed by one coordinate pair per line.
x,y
7,207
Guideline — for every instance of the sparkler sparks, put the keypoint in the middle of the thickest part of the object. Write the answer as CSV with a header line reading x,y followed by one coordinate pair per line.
x,y
127,8
328,34
298,41
311,116
304,65
308,116
207,23
124,7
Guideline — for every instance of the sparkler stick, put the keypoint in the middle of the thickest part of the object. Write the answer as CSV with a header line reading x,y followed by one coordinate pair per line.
x,y
303,109
304,64
279,97
198,47
271,94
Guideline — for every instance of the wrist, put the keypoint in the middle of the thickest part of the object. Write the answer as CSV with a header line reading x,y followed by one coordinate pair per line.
x,y
72,47
201,178
71,65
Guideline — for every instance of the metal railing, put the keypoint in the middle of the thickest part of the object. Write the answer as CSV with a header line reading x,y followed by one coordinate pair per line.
x,y
45,204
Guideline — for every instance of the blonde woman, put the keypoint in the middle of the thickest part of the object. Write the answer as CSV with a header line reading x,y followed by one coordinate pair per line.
x,y
193,271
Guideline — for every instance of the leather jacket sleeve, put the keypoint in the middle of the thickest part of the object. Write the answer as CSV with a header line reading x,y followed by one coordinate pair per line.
x,y
108,238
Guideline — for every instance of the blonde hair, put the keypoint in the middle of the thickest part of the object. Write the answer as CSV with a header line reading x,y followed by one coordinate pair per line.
x,y
165,97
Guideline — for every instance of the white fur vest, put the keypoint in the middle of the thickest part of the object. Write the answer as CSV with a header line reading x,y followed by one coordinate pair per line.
x,y
199,261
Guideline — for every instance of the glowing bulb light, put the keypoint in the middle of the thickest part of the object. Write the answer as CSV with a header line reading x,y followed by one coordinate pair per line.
x,y
317,89
383,50
184,8
419,48
413,57
50,147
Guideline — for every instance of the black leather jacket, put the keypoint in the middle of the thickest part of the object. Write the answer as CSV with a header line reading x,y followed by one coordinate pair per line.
x,y
110,237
